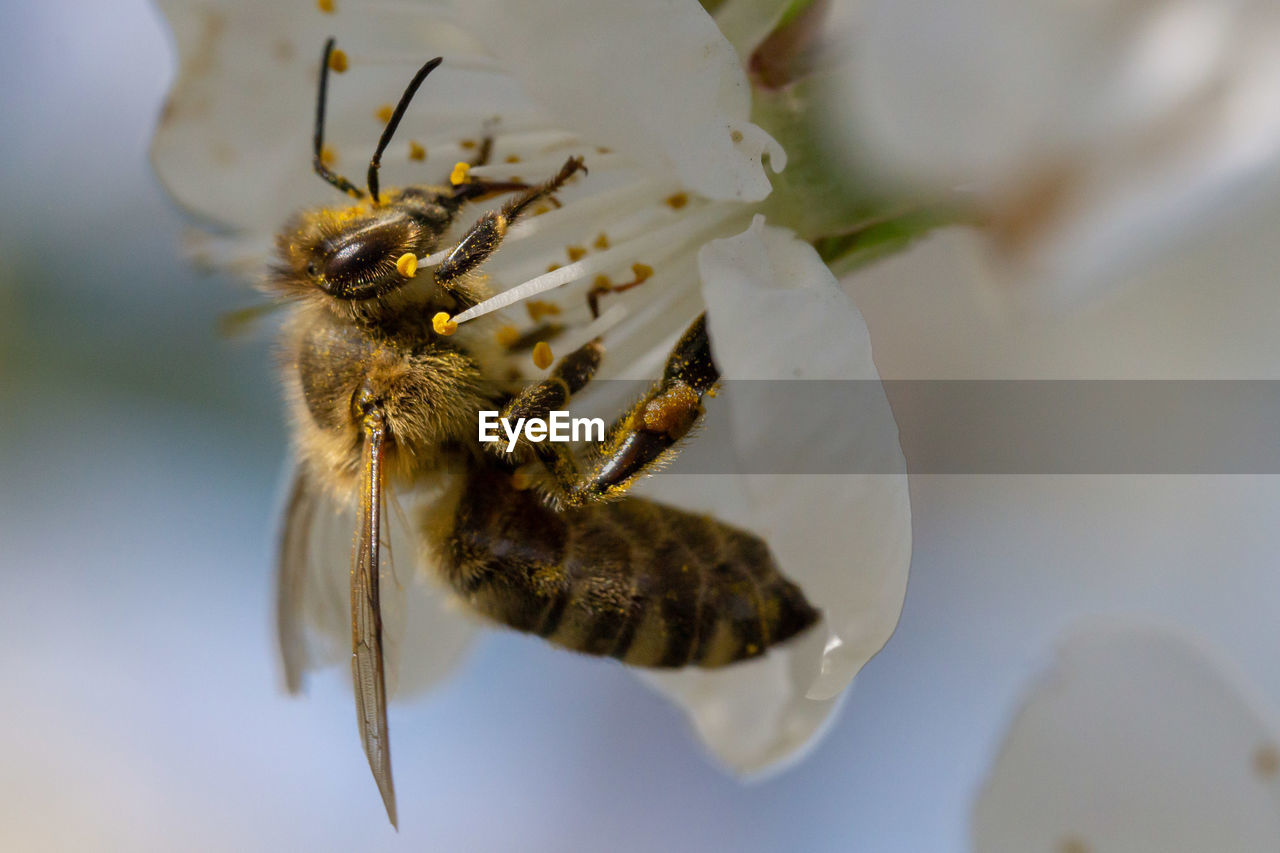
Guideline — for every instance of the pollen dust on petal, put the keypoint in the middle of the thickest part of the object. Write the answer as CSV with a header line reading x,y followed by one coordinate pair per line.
x,y
416,151
1072,844
1266,761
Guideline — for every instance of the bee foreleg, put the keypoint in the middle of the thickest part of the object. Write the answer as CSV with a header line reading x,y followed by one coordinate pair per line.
x,y
486,235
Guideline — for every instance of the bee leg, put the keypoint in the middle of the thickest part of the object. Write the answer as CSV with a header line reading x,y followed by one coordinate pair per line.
x,y
484,237
569,376
645,436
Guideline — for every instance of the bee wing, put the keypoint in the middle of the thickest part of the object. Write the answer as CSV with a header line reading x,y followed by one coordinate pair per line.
x,y
367,672
424,634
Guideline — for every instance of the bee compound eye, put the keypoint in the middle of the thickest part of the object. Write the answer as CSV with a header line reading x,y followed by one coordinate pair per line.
x,y
362,264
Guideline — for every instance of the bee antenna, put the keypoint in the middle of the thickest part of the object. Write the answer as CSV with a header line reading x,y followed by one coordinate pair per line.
x,y
392,123
317,161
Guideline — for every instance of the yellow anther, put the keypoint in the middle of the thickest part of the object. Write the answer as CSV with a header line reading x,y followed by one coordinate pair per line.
x,y
507,336
443,324
338,60
461,173
641,272
468,144
325,6
601,282
677,201
407,265
384,113
552,267
575,253
328,156
416,151
601,242
542,357
538,309
513,158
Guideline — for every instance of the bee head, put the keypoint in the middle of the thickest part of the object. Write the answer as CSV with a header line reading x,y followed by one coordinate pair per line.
x,y
353,254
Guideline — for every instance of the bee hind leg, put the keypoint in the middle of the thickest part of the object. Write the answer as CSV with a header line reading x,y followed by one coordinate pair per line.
x,y
640,440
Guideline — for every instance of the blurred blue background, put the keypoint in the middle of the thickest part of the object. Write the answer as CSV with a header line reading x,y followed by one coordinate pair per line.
x,y
140,701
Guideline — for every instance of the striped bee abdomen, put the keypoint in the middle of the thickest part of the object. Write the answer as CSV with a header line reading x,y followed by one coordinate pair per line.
x,y
632,579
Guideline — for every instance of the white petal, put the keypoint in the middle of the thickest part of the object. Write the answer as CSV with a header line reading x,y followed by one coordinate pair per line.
x,y
831,495
1135,741
752,716
655,80
1093,134
234,140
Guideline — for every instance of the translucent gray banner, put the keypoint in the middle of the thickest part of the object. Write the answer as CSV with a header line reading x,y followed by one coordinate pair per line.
x,y
977,427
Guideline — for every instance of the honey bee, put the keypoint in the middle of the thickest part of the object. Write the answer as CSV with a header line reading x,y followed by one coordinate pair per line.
x,y
385,393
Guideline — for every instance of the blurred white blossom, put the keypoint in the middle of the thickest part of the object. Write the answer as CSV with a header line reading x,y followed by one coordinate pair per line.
x,y
658,103
1087,137
1134,741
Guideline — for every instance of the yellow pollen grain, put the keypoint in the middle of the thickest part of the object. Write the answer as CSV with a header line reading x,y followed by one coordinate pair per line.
x,y
407,265
542,357
416,151
461,173
507,336
602,241
328,156
325,6
575,253
444,324
512,158
736,136
539,308
338,61
384,113
601,282
641,272
752,648
601,149
552,267
677,201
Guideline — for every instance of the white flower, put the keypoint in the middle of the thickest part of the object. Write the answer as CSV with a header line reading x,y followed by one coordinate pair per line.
x,y
1089,136
1135,741
656,100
